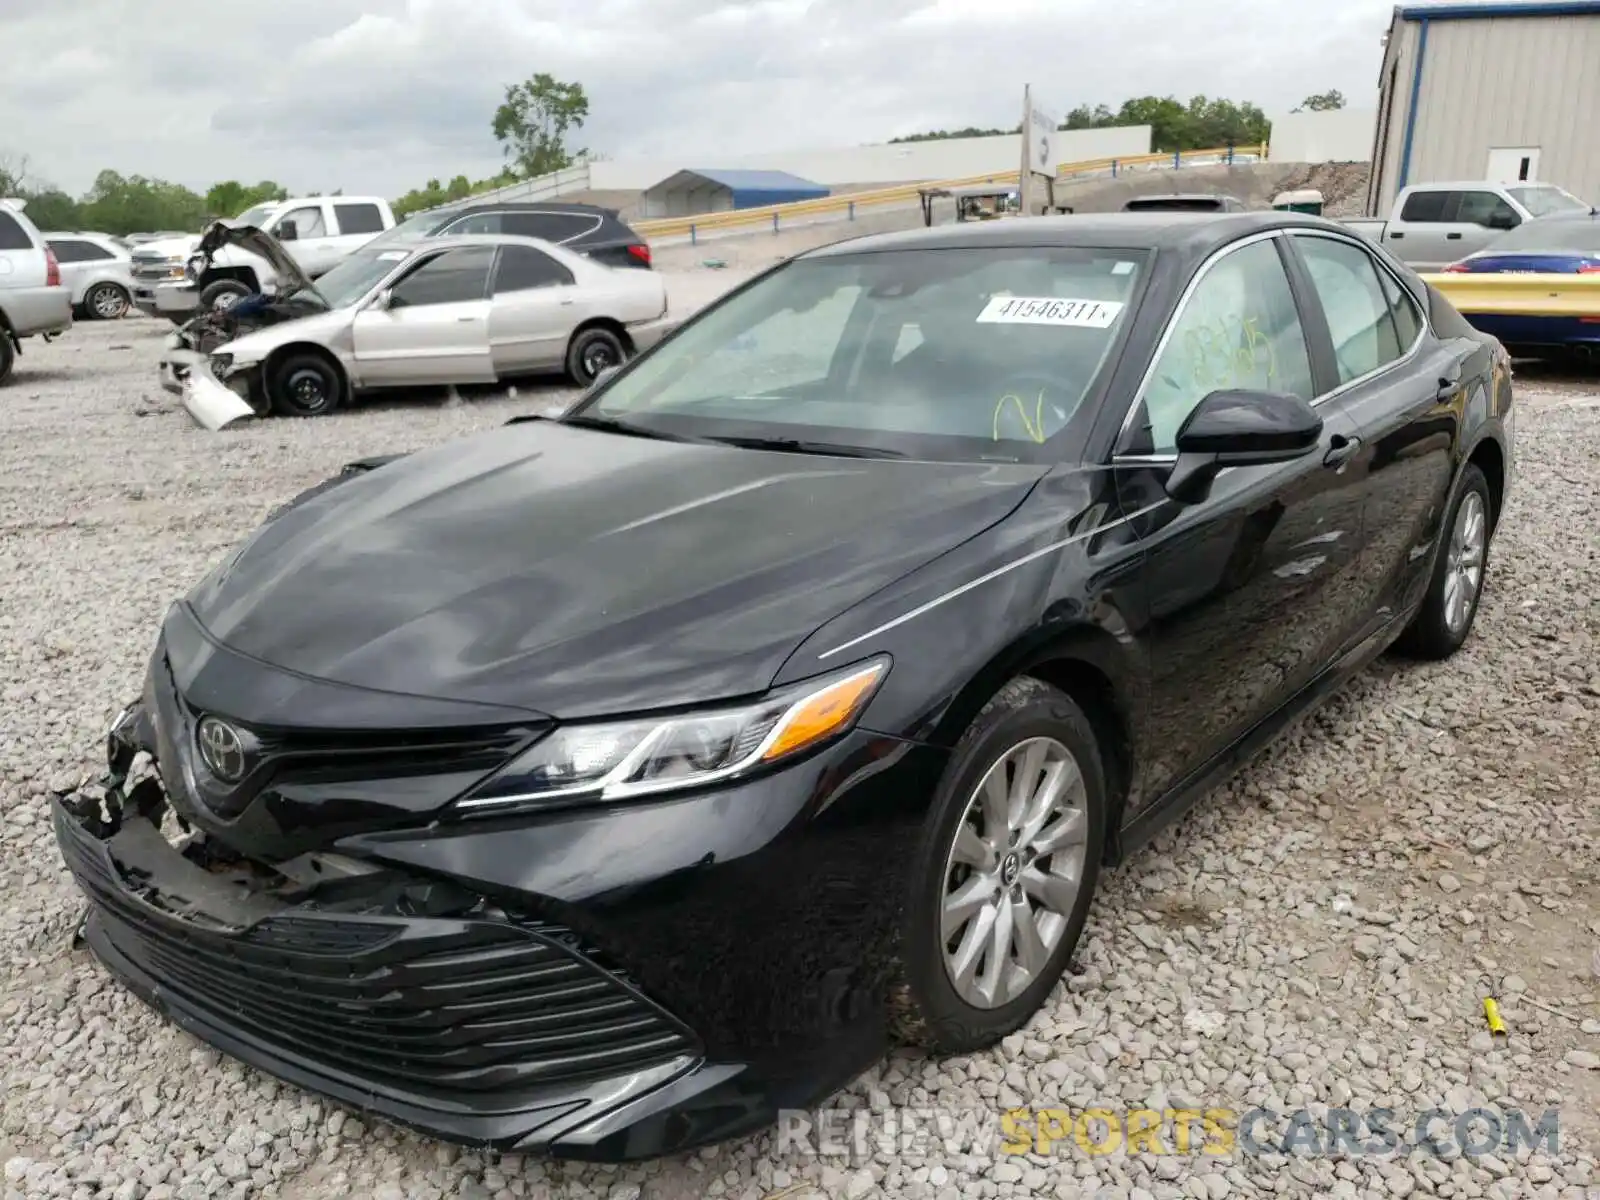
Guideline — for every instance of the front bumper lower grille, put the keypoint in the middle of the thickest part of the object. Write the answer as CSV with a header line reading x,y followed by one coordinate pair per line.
x,y
461,1013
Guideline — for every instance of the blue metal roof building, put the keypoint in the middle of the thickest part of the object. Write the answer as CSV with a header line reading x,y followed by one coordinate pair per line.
x,y
1498,90
692,192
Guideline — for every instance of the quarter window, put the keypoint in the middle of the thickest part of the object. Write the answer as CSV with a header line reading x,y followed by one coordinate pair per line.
x,y
1239,328
1360,316
1407,315
453,277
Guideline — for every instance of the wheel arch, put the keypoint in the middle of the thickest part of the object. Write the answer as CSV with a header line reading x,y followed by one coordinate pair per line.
x,y
270,364
244,275
1091,665
608,323
1489,456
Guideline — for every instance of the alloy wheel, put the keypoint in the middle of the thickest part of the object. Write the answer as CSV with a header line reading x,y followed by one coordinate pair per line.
x,y
1464,566
108,303
1013,873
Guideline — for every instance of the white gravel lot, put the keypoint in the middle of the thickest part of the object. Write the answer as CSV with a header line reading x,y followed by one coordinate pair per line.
x,y
1314,935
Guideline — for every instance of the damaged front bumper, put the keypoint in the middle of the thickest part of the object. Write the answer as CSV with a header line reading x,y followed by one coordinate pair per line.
x,y
213,404
398,995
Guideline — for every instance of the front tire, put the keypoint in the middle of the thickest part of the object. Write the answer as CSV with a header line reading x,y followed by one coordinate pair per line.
x,y
593,350
1450,607
223,294
107,302
1006,869
304,385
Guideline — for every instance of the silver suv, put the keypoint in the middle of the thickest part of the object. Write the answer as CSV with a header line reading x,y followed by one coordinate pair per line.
x,y
32,300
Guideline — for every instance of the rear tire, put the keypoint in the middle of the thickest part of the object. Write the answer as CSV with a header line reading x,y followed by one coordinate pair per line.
x,y
304,384
593,350
1450,607
1011,864
107,302
8,354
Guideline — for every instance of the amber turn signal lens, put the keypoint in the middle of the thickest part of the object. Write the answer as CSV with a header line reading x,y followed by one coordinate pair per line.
x,y
824,712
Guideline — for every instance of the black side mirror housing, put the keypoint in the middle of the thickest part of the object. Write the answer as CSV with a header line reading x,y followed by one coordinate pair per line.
x,y
1240,428
1503,221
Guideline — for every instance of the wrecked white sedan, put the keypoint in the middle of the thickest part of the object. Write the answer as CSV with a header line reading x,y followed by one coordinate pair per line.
x,y
446,310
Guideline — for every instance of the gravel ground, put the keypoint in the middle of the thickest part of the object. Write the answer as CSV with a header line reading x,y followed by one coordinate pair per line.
x,y
1314,935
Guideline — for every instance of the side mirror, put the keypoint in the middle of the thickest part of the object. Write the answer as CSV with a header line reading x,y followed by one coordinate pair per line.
x,y
1239,428
288,231
1501,220
383,301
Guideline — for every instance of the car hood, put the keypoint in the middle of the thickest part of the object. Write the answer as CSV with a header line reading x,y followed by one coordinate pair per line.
x,y
575,572
260,243
174,247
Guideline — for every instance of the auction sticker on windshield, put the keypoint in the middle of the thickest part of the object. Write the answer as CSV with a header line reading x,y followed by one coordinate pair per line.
x,y
1050,310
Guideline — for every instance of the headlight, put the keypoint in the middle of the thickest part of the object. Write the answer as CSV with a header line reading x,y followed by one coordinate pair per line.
x,y
614,760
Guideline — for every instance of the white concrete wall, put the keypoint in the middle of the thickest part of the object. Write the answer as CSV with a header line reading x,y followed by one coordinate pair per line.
x,y
1342,135
954,158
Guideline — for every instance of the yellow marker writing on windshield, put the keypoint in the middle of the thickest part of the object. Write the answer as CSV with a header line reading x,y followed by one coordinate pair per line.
x,y
1034,425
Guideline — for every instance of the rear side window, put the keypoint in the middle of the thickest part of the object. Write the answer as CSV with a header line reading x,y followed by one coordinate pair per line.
x,y
75,250
1429,206
358,218
12,235
550,227
449,278
523,267
1359,318
1407,316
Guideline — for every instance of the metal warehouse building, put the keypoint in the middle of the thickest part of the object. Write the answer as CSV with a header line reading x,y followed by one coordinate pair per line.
x,y
690,193
1492,91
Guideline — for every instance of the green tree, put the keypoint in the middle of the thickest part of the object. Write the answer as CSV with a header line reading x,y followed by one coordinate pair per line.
x,y
50,209
533,122
1326,101
230,197
135,204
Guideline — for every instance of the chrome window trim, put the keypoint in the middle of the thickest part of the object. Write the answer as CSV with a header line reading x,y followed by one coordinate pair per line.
x,y
1425,328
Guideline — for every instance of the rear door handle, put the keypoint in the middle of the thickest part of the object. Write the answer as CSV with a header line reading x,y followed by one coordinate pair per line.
x,y
1396,236
1341,450
466,320
1452,237
1449,383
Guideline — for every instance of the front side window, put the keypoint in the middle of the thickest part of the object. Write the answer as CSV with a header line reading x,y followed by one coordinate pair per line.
x,y
475,223
1239,329
1487,209
954,354
454,277
1358,312
308,222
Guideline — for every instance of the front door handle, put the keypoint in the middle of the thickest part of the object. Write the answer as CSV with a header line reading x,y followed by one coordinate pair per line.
x,y
1341,450
1396,236
1452,237
466,320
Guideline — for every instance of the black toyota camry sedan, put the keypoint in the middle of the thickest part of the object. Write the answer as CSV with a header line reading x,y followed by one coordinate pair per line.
x,y
602,784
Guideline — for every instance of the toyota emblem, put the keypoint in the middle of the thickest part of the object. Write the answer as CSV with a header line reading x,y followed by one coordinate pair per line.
x,y
222,749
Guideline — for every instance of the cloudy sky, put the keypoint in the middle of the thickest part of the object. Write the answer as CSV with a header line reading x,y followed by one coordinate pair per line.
x,y
377,95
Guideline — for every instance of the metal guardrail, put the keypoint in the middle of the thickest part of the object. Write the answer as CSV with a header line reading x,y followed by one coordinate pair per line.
x,y
846,206
1520,295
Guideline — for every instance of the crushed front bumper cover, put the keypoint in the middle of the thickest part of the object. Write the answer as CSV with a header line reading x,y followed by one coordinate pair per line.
x,y
396,995
213,404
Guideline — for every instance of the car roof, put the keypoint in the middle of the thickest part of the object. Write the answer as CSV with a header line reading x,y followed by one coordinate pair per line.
x,y
1194,234
452,240
544,206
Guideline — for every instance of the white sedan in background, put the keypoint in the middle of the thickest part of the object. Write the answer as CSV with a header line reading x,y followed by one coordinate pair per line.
x,y
444,310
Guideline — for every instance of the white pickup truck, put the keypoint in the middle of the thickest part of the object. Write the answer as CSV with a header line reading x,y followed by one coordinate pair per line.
x,y
1435,224
317,231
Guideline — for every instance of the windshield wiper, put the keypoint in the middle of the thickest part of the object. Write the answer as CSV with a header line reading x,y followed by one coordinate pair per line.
x,y
802,446
615,425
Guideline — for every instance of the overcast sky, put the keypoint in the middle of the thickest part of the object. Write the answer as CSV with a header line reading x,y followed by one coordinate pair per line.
x,y
378,95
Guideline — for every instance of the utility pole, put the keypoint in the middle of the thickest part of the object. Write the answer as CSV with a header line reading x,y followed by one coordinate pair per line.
x,y
1025,171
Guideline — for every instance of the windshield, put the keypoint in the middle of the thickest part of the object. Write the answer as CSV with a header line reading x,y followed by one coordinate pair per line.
x,y
357,275
256,216
417,225
1546,199
957,354
1555,235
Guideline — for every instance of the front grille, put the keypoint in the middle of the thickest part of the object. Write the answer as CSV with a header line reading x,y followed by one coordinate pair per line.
x,y
462,1007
